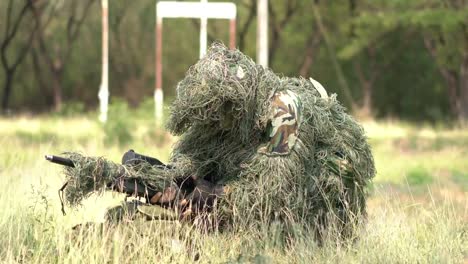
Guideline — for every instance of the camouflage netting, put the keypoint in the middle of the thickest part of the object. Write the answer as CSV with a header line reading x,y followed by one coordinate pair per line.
x,y
223,115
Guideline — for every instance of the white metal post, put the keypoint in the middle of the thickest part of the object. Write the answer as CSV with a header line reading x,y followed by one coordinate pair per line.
x,y
158,92
262,32
203,33
103,94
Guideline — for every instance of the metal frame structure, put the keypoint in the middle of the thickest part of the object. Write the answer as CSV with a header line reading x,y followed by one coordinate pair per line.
x,y
202,10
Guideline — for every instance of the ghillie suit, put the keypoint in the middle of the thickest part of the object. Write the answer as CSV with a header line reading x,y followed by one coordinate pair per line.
x,y
283,149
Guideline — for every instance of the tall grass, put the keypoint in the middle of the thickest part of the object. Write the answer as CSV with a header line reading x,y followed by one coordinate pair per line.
x,y
417,207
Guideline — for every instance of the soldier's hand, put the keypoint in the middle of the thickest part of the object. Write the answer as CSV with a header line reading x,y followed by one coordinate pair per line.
x,y
166,197
201,199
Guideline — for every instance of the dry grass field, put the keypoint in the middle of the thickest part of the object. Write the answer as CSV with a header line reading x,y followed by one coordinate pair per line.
x,y
418,206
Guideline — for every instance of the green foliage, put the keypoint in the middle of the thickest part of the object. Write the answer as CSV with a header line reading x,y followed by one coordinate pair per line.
x,y
418,176
120,124
396,31
437,22
72,108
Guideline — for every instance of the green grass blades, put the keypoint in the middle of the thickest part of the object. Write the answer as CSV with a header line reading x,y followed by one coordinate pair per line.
x,y
408,221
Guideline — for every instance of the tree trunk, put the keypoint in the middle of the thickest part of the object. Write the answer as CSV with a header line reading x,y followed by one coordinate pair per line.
x,y
57,88
332,54
463,82
275,41
366,108
456,85
277,26
312,44
7,91
43,87
245,27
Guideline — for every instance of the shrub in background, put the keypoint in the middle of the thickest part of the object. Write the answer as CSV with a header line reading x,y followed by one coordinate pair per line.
x,y
119,124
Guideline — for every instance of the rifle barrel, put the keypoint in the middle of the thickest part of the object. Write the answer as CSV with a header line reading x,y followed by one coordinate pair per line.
x,y
60,160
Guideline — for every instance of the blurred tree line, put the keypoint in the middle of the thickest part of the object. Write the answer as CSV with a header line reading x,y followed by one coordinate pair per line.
x,y
402,58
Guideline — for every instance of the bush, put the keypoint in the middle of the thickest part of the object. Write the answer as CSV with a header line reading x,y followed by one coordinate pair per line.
x,y
418,176
118,128
72,108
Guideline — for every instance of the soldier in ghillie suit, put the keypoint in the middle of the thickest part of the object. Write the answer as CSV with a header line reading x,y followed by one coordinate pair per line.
x,y
260,149
283,150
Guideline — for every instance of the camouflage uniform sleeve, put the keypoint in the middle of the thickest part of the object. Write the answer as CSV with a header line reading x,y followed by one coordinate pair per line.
x,y
284,123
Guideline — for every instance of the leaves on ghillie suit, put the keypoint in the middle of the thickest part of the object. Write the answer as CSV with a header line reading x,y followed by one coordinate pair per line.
x,y
97,174
222,112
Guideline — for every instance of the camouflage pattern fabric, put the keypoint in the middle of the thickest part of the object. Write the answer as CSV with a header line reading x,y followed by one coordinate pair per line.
x,y
284,122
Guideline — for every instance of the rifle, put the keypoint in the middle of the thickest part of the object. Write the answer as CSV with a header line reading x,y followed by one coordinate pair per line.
x,y
204,195
131,187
